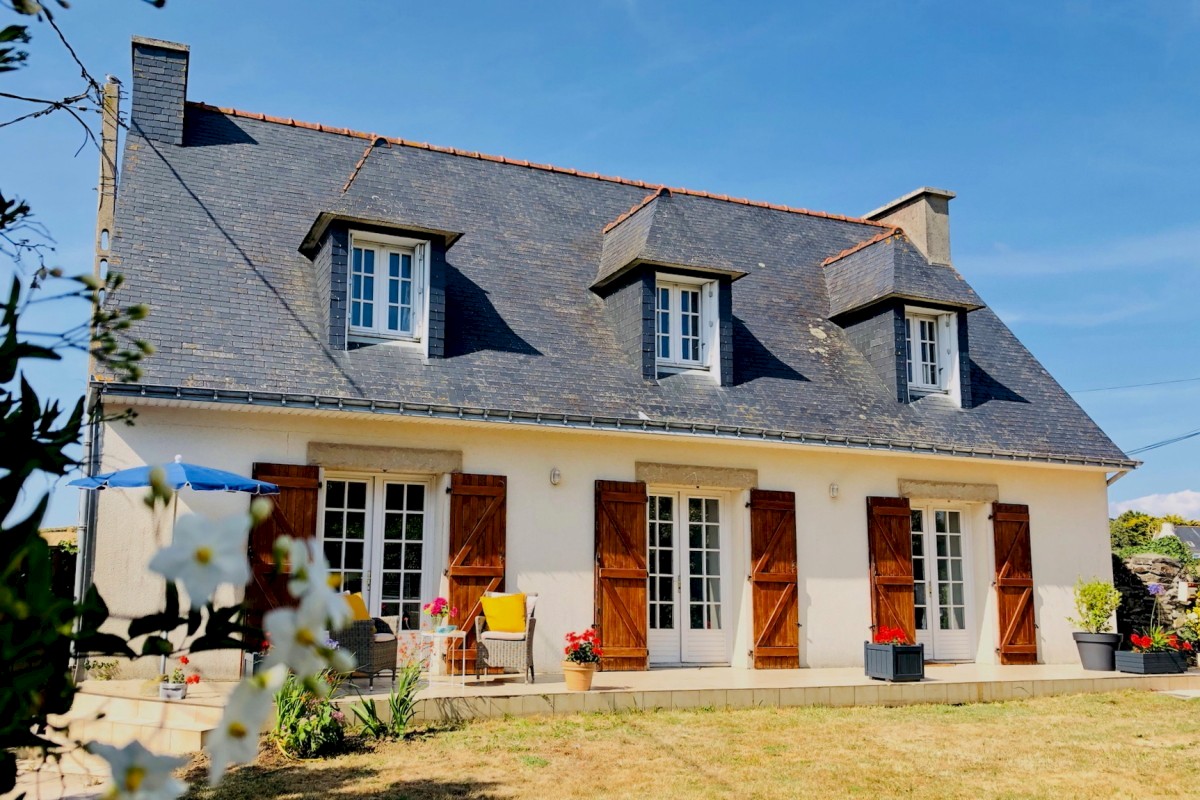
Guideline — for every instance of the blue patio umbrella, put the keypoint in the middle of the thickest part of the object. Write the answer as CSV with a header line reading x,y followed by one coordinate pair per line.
x,y
179,475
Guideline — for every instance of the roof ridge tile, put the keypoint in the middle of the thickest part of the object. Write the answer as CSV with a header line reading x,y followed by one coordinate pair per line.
x,y
892,231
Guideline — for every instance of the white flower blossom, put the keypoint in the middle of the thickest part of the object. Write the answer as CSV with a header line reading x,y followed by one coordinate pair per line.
x,y
310,577
205,554
235,739
138,774
297,638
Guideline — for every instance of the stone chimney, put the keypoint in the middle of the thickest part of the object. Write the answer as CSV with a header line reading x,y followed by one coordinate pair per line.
x,y
159,89
924,215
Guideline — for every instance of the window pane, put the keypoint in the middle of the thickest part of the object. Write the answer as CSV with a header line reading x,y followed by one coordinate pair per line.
x,y
335,494
333,524
357,495
393,499
414,527
354,555
416,497
356,523
412,586
392,557
391,585
393,526
412,556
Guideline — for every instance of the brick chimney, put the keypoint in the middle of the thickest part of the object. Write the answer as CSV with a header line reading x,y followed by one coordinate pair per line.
x,y
159,88
924,214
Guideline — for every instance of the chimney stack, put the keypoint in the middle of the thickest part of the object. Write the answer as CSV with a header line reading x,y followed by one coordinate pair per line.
x,y
924,215
159,89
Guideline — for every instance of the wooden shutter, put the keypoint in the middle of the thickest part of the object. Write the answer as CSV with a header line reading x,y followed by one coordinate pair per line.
x,y
294,514
622,614
889,542
1014,584
773,588
478,524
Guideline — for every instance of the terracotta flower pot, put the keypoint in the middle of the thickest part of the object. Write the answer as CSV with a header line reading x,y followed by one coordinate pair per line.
x,y
579,676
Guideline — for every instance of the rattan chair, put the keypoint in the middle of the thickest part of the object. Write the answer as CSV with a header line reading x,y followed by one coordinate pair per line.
x,y
373,651
512,652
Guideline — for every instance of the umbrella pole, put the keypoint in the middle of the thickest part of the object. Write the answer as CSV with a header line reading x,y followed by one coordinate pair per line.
x,y
162,660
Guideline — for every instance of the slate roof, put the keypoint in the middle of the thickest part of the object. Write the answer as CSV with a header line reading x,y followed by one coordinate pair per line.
x,y
208,234
666,231
891,266
1190,536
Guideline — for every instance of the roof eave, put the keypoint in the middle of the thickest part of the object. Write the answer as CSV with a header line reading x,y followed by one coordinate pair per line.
x,y
610,278
440,411
312,239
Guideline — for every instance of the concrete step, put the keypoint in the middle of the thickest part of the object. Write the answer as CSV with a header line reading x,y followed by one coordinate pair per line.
x,y
117,715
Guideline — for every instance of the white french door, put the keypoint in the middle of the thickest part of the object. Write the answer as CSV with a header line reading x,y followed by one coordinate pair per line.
x,y
377,536
687,550
940,590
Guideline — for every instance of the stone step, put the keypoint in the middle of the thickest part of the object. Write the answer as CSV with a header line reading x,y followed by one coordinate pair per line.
x,y
144,710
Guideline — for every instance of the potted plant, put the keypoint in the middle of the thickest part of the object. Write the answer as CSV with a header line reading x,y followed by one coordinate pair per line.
x,y
891,657
440,611
582,659
175,685
1156,651
1095,602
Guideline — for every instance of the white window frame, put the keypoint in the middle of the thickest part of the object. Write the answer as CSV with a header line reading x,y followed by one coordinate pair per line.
x,y
434,543
946,352
383,245
709,361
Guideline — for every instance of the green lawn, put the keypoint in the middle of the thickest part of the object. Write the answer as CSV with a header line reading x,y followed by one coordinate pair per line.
x,y
1125,744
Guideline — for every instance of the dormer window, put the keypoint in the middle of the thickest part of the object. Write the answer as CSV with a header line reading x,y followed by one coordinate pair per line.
x,y
388,280
684,314
931,351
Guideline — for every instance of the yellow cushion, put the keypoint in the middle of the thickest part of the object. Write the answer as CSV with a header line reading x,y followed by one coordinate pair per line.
x,y
358,606
505,614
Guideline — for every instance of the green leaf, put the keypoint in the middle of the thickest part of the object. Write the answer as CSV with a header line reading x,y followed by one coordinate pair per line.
x,y
104,644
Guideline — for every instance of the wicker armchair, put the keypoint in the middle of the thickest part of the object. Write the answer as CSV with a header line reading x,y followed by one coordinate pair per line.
x,y
512,652
375,652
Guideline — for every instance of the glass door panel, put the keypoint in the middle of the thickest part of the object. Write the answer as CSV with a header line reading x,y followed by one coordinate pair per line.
x,y
661,568
344,533
704,564
402,548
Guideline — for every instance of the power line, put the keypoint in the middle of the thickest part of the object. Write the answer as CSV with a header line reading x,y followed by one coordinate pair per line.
x,y
1181,437
1133,386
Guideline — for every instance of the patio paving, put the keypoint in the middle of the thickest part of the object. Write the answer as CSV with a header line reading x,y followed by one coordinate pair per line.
x,y
722,687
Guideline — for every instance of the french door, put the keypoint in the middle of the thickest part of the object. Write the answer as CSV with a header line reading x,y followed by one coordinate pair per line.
x,y
940,591
376,534
687,546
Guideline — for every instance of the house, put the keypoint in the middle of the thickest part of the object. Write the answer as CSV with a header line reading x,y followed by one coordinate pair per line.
x,y
1188,534
726,431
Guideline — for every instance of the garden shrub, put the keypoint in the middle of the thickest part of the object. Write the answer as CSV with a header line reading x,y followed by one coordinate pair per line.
x,y
1166,546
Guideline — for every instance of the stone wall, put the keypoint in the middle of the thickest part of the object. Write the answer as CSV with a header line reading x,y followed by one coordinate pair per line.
x,y
1133,576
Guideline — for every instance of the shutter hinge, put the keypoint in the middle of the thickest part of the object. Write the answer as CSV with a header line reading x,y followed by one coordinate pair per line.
x,y
449,490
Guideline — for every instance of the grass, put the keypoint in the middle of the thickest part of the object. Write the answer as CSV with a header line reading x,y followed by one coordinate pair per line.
x,y
1125,744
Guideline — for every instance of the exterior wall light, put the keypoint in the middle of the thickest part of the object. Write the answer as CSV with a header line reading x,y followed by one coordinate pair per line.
x,y
555,476
833,490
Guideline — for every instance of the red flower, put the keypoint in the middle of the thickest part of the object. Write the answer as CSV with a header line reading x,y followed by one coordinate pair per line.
x,y
1187,646
183,660
599,653
192,679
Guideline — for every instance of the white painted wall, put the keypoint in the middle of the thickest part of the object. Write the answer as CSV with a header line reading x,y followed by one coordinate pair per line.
x,y
550,528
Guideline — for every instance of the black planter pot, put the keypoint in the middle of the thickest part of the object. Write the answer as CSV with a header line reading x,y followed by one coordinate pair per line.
x,y
1169,662
1098,651
894,662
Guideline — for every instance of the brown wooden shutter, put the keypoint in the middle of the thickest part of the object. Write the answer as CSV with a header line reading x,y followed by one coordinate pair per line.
x,y
889,542
774,592
478,525
622,614
294,514
1014,584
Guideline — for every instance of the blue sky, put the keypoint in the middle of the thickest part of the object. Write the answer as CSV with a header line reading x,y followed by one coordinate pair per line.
x,y
1069,130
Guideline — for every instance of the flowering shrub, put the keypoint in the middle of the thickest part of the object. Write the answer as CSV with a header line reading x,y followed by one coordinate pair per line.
x,y
583,648
886,635
439,610
1157,640
308,724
